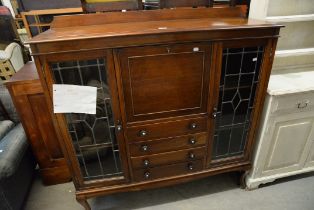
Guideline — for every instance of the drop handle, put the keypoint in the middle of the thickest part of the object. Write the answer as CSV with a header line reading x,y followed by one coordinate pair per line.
x,y
193,126
192,140
191,155
190,167
304,104
143,133
214,114
146,163
146,175
119,128
144,148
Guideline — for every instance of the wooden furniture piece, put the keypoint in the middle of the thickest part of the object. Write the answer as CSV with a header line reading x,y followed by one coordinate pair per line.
x,y
161,4
29,5
90,6
27,94
285,143
37,21
185,3
179,94
197,3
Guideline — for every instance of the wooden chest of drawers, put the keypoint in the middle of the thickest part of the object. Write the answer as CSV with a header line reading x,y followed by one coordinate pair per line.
x,y
179,94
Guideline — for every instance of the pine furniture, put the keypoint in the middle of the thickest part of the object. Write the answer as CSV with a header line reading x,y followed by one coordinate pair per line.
x,y
179,94
285,141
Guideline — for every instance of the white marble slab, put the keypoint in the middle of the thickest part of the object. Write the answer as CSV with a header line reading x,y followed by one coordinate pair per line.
x,y
291,83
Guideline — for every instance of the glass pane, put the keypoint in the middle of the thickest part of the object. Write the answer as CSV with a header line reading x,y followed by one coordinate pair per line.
x,y
240,75
93,136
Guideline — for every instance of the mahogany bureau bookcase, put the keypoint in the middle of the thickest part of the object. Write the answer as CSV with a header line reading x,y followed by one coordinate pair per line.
x,y
179,94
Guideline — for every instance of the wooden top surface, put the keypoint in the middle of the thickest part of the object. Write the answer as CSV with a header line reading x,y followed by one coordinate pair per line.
x,y
54,11
27,73
113,24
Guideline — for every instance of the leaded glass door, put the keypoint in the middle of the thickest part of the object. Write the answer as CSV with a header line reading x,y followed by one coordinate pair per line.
x,y
240,75
97,141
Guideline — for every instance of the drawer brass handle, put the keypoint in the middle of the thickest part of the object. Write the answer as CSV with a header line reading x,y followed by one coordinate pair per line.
x,y
214,115
193,126
302,105
192,155
119,128
192,141
190,167
144,148
146,175
146,163
143,133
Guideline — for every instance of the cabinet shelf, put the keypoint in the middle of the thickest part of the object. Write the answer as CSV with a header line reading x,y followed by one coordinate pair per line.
x,y
39,24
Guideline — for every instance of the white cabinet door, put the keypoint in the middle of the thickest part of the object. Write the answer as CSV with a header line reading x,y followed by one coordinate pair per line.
x,y
310,159
289,144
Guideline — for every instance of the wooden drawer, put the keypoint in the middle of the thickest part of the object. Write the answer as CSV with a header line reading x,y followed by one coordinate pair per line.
x,y
167,170
166,129
168,158
294,102
168,144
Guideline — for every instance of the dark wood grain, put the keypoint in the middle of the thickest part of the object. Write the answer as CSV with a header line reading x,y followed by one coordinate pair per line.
x,y
163,81
168,144
160,87
163,182
166,129
143,16
146,27
167,170
30,102
266,67
168,158
214,94
59,119
28,73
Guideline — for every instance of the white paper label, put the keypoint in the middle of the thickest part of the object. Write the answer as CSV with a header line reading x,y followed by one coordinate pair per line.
x,y
196,49
254,59
74,99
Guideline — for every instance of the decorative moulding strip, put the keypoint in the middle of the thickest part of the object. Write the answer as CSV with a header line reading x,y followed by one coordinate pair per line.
x,y
295,52
295,60
291,18
293,68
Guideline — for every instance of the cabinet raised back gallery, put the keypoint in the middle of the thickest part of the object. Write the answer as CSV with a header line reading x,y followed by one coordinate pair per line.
x,y
179,94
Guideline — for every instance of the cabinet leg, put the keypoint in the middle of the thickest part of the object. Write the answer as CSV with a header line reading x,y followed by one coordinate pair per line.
x,y
242,179
83,202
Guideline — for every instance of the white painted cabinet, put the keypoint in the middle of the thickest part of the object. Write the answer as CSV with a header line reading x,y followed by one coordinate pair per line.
x,y
310,160
285,142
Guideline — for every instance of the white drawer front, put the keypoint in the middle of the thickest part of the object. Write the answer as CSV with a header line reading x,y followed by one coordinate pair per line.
x,y
294,103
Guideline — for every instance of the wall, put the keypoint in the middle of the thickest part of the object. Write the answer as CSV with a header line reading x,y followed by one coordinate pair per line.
x,y
295,51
